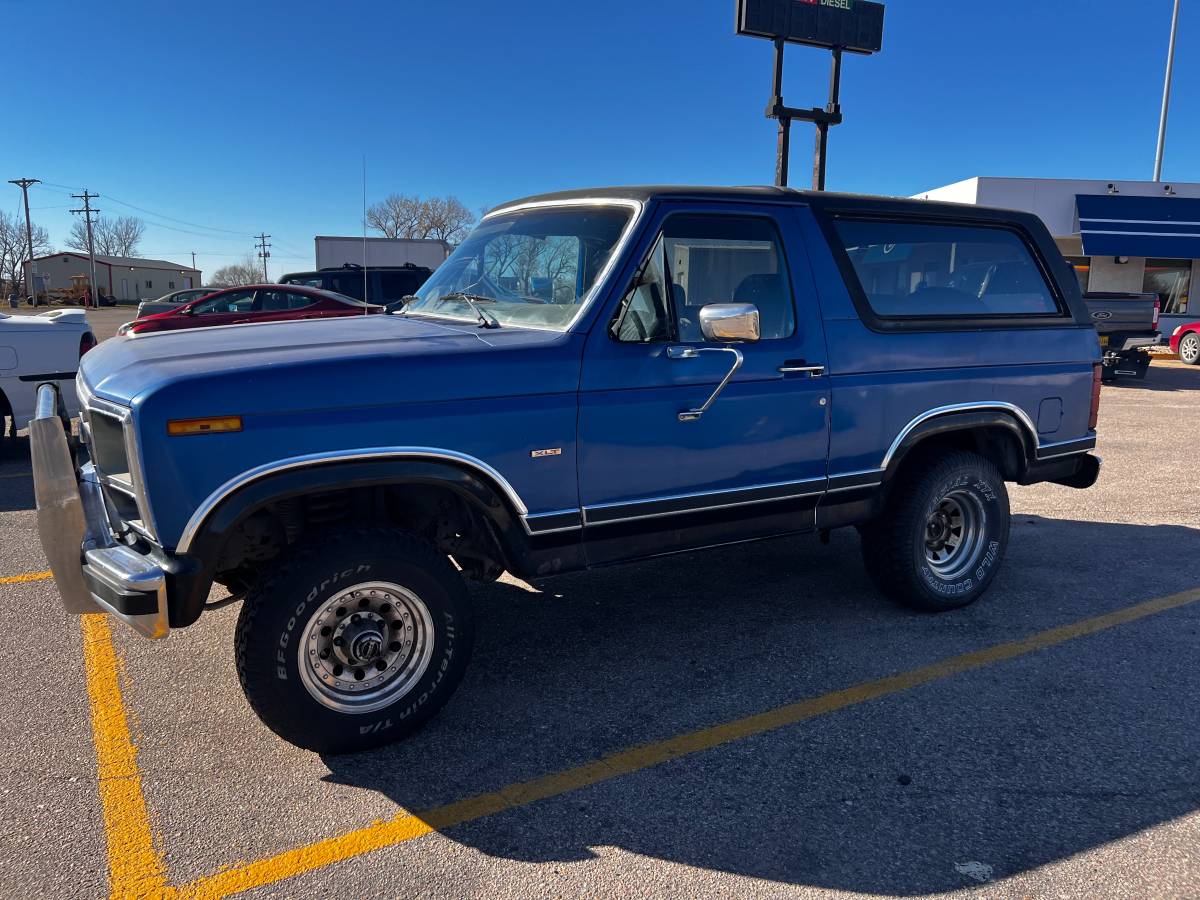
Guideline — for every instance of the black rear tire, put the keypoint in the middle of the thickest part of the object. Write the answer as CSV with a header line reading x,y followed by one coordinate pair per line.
x,y
307,603
1189,349
942,535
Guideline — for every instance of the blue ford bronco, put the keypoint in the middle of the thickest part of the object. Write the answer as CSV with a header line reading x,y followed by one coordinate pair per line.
x,y
592,377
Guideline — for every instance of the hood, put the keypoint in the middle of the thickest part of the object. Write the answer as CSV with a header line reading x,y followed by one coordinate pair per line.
x,y
55,318
326,364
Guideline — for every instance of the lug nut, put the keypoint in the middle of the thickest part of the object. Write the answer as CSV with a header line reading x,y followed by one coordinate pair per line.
x,y
324,654
338,641
356,618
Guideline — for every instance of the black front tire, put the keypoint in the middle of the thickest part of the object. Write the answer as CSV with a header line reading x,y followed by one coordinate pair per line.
x,y
280,613
946,504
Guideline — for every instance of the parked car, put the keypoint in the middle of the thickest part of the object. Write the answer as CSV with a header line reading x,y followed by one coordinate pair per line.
x,y
385,285
171,301
252,304
592,377
1128,327
37,349
1185,341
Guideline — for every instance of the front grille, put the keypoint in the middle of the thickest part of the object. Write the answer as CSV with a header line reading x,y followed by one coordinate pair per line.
x,y
104,434
107,445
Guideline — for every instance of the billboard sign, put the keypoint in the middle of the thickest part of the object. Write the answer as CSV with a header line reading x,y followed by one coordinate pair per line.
x,y
852,25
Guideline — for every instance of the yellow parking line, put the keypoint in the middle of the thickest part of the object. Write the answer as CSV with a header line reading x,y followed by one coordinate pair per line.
x,y
15,475
135,866
28,576
407,826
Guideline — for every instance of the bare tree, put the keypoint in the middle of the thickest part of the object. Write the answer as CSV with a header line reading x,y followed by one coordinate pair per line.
x,y
442,218
14,251
396,216
112,237
248,271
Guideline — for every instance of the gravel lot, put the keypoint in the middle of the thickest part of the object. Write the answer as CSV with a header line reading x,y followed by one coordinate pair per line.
x,y
1064,767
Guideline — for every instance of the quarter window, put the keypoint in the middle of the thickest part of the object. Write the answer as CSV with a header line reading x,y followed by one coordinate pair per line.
x,y
923,270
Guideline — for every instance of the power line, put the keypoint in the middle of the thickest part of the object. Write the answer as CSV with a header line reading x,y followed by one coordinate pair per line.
x,y
149,212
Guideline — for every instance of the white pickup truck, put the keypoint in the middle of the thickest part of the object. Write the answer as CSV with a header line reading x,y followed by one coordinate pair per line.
x,y
38,349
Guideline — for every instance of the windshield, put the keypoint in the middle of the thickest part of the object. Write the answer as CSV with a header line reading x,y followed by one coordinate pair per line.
x,y
533,267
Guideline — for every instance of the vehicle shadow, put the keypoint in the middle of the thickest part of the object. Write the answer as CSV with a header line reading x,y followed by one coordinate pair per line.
x,y
16,481
1163,378
1016,765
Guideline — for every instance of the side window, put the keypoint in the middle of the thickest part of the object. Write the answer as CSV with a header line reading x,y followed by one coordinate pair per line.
x,y
234,301
642,317
272,301
728,259
348,283
929,270
297,300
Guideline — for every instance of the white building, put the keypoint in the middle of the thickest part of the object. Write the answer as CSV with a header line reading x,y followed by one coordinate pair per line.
x,y
124,277
1119,235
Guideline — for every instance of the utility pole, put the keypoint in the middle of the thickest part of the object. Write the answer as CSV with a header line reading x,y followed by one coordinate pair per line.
x,y
1166,103
87,213
193,259
24,184
264,253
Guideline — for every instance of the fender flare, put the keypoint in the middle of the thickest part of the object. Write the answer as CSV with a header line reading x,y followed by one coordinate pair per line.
x,y
948,420
206,538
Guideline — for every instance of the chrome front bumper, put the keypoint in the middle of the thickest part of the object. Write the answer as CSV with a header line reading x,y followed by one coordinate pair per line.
x,y
94,572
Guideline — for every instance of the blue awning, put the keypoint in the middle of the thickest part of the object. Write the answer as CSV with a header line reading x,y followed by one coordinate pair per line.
x,y
1121,225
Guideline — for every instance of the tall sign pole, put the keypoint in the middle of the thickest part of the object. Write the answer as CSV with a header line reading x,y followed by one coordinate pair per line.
x,y
840,26
24,184
1166,104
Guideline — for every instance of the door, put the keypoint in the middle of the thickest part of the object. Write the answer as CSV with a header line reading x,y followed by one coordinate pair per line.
x,y
283,305
226,308
656,474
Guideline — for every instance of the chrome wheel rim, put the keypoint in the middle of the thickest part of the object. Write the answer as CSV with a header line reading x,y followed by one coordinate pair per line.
x,y
366,647
1189,348
954,535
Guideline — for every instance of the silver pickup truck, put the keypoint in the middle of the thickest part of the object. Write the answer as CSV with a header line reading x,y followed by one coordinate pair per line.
x,y
1128,326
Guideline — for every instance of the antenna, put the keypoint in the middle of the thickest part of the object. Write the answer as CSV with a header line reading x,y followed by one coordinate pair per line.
x,y
366,279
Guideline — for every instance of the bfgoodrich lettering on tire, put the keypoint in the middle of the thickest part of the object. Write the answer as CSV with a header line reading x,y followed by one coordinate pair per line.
x,y
940,541
354,641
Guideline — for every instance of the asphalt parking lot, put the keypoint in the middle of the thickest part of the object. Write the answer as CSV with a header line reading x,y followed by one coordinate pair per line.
x,y
752,721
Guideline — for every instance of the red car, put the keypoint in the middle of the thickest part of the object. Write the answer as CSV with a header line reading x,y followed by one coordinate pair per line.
x,y
252,303
1185,340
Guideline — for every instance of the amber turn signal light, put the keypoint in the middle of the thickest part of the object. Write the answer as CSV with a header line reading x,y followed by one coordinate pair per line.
x,y
211,425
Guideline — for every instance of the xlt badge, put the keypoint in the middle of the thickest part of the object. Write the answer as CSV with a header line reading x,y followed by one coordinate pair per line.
x,y
549,451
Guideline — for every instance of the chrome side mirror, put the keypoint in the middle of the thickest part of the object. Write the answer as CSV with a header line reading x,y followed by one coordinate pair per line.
x,y
729,322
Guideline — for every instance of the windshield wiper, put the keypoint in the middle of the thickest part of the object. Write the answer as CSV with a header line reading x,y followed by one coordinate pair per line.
x,y
486,319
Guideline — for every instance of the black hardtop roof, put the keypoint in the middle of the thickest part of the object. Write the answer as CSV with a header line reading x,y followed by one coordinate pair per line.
x,y
770,194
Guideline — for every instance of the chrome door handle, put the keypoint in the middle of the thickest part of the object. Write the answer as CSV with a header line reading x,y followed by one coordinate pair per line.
x,y
691,415
810,371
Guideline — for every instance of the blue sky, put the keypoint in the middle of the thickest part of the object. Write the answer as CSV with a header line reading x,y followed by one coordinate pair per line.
x,y
257,116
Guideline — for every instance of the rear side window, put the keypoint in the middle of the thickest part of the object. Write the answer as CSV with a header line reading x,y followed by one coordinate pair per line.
x,y
927,270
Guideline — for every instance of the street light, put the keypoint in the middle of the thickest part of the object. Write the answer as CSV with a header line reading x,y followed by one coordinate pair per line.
x,y
1166,103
